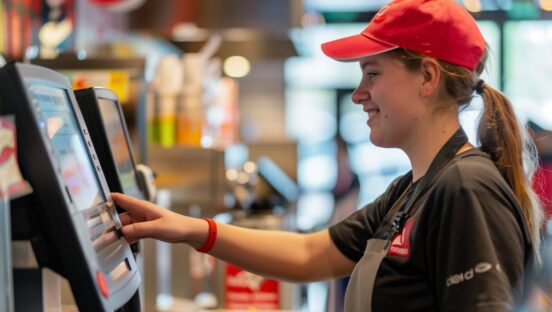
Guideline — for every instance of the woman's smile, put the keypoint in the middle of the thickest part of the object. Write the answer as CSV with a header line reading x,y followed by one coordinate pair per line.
x,y
372,112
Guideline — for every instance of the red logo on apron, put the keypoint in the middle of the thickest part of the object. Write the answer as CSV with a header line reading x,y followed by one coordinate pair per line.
x,y
400,244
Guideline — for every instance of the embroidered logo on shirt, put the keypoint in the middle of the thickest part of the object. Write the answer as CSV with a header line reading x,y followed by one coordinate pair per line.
x,y
400,244
479,268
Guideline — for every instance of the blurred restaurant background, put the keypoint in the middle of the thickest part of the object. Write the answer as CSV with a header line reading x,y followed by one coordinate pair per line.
x,y
236,110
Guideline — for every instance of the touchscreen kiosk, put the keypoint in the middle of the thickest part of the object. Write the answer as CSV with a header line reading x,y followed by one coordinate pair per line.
x,y
75,225
103,115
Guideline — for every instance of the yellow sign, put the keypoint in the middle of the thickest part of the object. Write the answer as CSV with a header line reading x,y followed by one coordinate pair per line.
x,y
116,81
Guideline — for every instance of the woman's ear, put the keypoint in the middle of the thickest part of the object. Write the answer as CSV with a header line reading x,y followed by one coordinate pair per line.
x,y
431,77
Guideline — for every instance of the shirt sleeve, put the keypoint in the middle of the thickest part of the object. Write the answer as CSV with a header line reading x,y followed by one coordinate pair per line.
x,y
479,250
351,234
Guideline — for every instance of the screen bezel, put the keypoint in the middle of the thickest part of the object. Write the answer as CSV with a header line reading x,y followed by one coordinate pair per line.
x,y
108,95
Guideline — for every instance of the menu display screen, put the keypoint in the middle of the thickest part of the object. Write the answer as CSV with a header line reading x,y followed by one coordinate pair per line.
x,y
119,146
56,115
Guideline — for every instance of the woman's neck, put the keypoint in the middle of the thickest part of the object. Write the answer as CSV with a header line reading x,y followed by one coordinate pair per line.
x,y
426,143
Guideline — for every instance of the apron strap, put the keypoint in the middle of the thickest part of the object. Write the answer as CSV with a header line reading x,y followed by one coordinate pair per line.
x,y
444,156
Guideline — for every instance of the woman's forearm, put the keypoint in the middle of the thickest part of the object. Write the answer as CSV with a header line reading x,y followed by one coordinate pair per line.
x,y
284,255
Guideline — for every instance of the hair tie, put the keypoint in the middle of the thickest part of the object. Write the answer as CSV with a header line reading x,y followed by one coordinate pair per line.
x,y
480,86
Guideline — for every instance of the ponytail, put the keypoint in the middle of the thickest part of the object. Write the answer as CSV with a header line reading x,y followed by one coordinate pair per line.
x,y
512,150
499,133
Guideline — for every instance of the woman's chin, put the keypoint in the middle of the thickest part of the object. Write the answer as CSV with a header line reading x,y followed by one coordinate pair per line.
x,y
376,139
380,141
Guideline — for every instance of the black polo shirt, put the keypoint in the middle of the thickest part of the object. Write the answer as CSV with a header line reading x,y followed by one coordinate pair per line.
x,y
464,246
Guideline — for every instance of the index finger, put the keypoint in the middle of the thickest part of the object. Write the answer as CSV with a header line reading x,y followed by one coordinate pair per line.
x,y
135,207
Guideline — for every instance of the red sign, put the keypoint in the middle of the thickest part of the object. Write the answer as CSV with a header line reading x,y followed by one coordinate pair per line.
x,y
245,290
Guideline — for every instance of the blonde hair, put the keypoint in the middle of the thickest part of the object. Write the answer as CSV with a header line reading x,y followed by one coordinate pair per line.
x,y
499,134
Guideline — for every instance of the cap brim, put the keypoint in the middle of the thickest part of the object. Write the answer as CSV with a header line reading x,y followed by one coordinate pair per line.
x,y
352,48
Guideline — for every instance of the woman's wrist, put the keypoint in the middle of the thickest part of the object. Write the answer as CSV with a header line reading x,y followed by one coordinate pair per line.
x,y
198,233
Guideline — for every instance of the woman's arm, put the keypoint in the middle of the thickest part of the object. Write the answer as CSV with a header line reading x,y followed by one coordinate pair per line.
x,y
284,255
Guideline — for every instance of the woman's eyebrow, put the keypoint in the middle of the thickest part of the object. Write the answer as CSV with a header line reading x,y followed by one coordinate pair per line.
x,y
364,64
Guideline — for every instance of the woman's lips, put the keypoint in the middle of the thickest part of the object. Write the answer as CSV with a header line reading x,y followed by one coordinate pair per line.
x,y
372,112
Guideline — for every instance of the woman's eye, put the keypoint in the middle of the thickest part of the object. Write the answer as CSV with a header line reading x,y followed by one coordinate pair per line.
x,y
371,75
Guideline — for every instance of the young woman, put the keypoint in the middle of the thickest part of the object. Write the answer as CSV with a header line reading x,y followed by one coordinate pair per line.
x,y
454,234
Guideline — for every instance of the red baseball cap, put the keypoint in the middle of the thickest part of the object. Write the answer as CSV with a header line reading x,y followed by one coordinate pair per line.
x,y
438,28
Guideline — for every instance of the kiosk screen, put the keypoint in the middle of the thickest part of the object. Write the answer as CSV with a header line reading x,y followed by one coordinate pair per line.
x,y
61,127
119,145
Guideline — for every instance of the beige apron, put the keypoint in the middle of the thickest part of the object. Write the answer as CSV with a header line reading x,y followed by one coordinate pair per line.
x,y
358,296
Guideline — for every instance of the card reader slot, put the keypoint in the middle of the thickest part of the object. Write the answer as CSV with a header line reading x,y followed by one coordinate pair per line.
x,y
94,221
120,271
105,240
94,211
106,216
100,229
110,252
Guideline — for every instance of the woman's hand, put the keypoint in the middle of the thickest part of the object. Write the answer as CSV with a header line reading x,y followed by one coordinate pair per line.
x,y
143,219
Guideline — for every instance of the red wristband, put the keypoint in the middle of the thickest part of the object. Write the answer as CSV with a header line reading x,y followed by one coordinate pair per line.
x,y
210,242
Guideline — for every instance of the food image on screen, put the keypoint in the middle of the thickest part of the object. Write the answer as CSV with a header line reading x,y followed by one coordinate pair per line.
x,y
119,146
58,117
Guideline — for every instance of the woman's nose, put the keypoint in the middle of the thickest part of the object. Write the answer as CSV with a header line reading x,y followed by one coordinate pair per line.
x,y
360,95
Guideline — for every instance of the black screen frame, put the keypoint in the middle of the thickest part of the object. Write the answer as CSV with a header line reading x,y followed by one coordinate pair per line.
x,y
88,100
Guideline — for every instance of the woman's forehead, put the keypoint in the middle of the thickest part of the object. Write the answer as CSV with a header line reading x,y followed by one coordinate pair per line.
x,y
370,60
378,60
